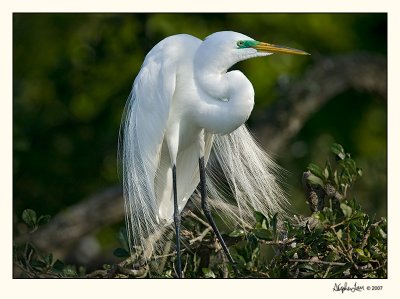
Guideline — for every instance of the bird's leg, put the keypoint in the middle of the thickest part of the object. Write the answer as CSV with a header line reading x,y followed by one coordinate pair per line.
x,y
207,212
177,221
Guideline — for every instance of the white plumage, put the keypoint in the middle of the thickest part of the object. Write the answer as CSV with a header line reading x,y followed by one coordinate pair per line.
x,y
185,105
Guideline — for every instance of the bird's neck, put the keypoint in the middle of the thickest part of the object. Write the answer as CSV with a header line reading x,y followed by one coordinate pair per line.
x,y
228,97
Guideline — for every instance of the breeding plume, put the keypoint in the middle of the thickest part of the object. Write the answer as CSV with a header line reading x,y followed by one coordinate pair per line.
x,y
184,118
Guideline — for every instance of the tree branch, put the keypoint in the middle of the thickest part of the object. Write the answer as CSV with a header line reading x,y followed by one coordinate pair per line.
x,y
83,218
326,79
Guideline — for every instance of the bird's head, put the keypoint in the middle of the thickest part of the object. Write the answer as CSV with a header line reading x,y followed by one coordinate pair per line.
x,y
228,48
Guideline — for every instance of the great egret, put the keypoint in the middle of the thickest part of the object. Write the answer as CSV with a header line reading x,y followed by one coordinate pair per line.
x,y
184,104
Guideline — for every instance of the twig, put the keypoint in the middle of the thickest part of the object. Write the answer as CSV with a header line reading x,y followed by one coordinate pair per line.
x,y
167,249
347,252
194,216
167,255
368,233
338,224
317,262
225,272
201,236
97,273
284,242
118,269
327,271
185,267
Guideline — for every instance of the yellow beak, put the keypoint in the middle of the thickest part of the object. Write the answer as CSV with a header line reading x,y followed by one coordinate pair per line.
x,y
271,48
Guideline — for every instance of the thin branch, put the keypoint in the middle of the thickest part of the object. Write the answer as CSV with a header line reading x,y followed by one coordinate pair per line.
x,y
201,236
167,255
194,216
317,262
283,242
368,233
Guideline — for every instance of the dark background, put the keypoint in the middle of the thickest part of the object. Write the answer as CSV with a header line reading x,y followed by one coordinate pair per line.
x,y
72,74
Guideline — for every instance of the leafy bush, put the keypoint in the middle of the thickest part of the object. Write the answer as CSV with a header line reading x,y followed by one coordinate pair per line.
x,y
338,240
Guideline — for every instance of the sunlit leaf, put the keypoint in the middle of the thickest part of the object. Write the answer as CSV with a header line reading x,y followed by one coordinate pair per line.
x,y
347,211
338,150
208,273
314,180
237,233
316,170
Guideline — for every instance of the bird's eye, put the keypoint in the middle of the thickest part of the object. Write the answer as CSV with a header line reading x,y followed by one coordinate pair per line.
x,y
240,43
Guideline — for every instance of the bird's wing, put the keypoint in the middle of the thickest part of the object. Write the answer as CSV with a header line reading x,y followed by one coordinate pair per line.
x,y
146,116
143,128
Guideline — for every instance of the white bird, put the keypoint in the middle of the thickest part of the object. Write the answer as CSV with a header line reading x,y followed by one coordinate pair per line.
x,y
184,104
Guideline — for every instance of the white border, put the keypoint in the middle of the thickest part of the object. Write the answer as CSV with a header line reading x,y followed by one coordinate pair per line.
x,y
191,288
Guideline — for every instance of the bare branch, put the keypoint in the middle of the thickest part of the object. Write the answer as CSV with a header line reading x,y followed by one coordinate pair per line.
x,y
317,262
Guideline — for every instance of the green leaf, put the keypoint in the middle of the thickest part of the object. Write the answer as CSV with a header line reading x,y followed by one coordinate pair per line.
x,y
37,264
314,180
274,222
263,234
335,178
48,259
326,173
30,218
123,237
237,233
121,252
359,251
347,211
316,170
329,170
58,265
44,219
259,216
339,234
338,271
338,150
208,273
307,267
382,233
69,271
349,165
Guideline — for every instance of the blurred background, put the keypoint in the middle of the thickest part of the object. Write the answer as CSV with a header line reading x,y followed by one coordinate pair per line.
x,y
73,73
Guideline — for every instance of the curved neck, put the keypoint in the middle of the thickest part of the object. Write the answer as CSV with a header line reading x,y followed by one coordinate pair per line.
x,y
227,98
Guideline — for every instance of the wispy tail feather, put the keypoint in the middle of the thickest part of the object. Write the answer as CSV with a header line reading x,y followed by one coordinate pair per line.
x,y
254,179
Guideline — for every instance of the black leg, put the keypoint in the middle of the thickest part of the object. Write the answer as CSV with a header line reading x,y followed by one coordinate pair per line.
x,y
207,212
177,221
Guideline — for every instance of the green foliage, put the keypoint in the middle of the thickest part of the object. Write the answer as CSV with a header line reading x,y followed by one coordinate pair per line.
x,y
32,221
338,241
33,263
